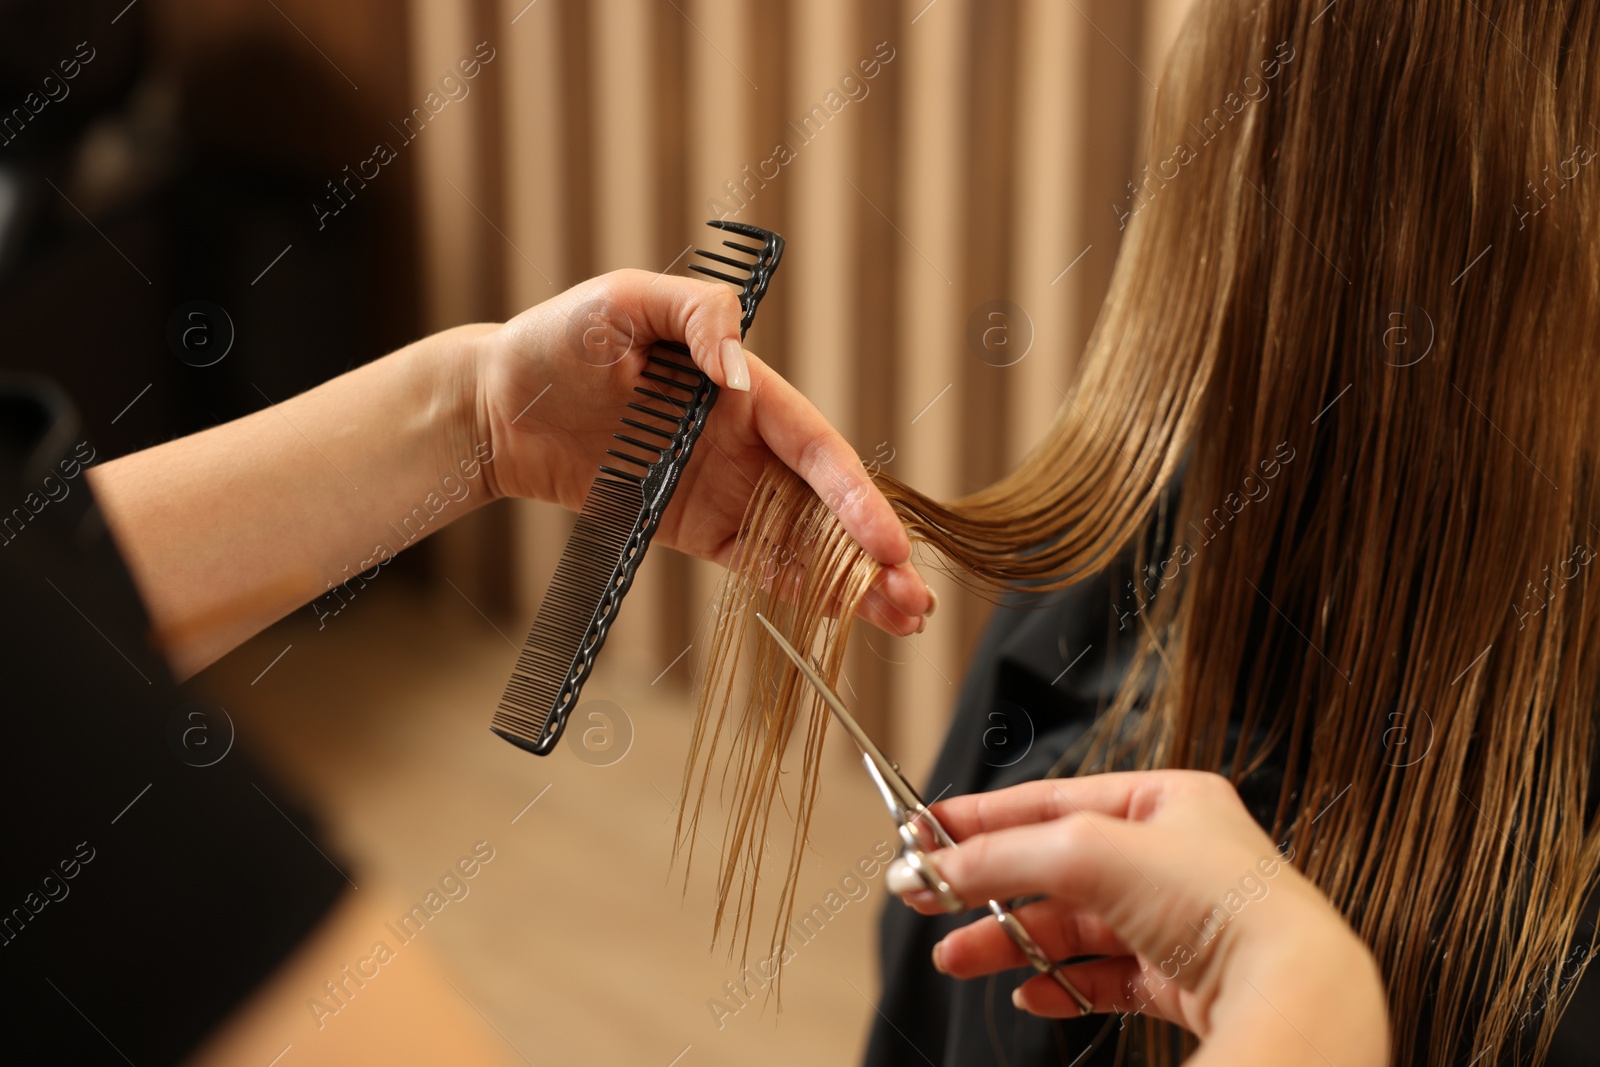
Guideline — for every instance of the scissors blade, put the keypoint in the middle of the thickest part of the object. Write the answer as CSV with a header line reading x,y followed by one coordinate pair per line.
x,y
902,788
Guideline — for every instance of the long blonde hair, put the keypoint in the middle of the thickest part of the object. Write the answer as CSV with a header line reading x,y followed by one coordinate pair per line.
x,y
1421,560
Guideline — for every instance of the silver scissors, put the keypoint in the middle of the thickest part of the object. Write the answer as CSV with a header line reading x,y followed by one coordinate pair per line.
x,y
919,828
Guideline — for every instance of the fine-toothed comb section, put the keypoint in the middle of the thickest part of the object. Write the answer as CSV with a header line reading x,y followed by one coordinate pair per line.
x,y
622,511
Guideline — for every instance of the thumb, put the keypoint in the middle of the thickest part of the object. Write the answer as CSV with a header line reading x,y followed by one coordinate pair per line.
x,y
703,315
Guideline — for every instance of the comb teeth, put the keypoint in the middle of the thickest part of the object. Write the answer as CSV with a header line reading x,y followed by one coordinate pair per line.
x,y
746,269
642,453
598,539
621,513
766,254
715,273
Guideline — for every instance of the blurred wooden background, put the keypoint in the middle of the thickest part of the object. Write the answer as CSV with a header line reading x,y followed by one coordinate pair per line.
x,y
973,176
951,226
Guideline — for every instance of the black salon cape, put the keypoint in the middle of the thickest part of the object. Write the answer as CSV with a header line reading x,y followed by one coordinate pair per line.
x,y
1020,694
141,897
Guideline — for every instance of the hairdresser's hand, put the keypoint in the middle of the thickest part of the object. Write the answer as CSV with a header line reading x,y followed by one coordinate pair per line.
x,y
1202,921
554,381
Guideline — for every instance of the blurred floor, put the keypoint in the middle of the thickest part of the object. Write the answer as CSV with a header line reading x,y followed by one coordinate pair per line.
x,y
577,942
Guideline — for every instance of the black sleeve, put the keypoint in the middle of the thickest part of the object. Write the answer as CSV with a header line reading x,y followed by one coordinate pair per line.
x,y
152,876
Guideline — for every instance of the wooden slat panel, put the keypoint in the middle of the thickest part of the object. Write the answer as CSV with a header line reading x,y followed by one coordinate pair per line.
x,y
1052,114
447,151
534,125
579,134
820,178
724,83
489,193
535,117
676,226
991,329
625,232
878,255
928,431
988,215
1113,30
771,25
623,139
457,182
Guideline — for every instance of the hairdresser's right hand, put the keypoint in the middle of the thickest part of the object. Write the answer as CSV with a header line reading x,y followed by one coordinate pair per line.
x,y
1202,921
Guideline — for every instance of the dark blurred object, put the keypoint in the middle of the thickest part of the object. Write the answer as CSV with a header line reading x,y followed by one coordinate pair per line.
x,y
49,91
180,165
202,890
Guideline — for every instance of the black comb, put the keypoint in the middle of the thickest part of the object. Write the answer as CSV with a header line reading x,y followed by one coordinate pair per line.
x,y
621,512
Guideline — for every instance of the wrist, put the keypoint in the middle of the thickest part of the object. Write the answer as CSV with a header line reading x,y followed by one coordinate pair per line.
x,y
455,363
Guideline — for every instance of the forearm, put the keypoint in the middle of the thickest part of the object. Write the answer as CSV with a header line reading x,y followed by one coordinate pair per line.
x,y
228,530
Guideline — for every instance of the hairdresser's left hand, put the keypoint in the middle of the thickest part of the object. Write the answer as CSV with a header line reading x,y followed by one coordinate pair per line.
x,y
553,382
1201,920
320,490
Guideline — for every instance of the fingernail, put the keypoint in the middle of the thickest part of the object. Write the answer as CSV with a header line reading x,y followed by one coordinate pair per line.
x,y
938,964
922,623
933,603
734,367
1016,999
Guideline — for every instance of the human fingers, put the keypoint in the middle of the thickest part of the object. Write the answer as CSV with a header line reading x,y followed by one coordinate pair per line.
x,y
1038,801
797,434
1111,985
1134,795
704,315
880,611
1089,861
983,946
875,607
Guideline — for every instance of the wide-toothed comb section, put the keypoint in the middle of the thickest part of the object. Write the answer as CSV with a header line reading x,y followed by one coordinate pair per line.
x,y
710,273
644,454
753,277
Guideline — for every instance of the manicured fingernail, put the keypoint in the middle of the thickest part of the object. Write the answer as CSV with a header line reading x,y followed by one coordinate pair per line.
x,y
1016,999
933,603
938,964
734,367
